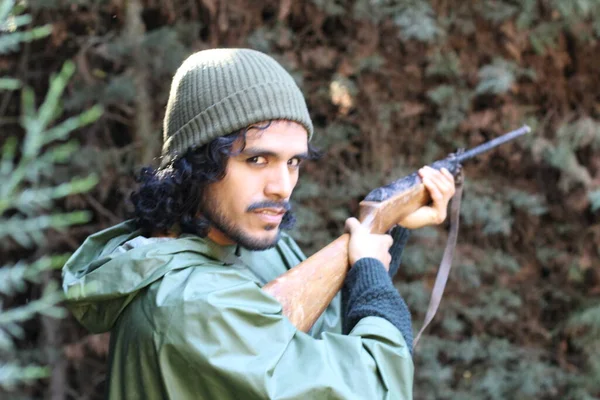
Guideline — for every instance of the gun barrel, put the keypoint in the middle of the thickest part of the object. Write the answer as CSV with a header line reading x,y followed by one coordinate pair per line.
x,y
492,143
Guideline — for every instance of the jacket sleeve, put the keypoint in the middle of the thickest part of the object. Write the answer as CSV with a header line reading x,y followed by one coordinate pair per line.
x,y
224,338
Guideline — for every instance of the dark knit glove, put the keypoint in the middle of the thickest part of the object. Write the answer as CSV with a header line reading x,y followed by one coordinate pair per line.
x,y
400,236
368,291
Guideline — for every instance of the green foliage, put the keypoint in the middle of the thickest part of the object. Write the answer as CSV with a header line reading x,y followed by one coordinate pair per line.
x,y
532,204
496,78
499,76
500,304
27,197
544,36
14,374
459,19
589,320
422,258
543,33
483,266
575,10
594,197
331,7
453,101
416,19
386,113
25,227
492,213
528,15
453,105
10,22
574,15
161,51
335,133
371,63
415,294
584,329
444,64
561,153
492,208
9,84
486,368
497,11
14,278
262,39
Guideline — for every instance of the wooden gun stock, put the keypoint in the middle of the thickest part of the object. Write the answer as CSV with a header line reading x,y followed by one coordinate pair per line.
x,y
306,290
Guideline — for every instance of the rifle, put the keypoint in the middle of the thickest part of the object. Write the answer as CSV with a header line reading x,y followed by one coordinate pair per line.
x,y
306,290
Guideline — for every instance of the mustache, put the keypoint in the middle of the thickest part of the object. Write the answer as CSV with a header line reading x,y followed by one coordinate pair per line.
x,y
270,204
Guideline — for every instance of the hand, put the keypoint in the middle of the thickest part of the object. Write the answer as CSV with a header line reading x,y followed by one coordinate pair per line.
x,y
365,244
441,187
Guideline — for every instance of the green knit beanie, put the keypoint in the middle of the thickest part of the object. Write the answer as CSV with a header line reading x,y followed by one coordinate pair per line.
x,y
220,91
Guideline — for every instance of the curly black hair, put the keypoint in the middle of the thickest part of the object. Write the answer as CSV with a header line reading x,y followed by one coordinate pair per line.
x,y
169,198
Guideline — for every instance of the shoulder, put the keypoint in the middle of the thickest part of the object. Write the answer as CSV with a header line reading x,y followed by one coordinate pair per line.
x,y
206,285
198,297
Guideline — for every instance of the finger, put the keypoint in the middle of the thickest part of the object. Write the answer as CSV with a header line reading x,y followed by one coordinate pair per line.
x,y
426,170
385,241
444,184
434,192
389,241
450,179
388,260
437,178
440,180
448,175
352,225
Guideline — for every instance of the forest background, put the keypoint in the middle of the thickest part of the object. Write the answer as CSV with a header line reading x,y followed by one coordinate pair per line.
x,y
391,85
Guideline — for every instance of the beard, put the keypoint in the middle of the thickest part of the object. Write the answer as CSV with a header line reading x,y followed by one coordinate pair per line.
x,y
219,219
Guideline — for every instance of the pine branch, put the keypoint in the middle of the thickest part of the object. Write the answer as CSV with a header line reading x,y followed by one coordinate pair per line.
x,y
13,278
13,374
23,195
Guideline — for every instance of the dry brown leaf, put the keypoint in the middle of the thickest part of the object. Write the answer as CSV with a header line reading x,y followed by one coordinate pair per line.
x,y
98,344
480,120
60,34
285,6
320,57
577,200
411,109
345,67
514,51
212,6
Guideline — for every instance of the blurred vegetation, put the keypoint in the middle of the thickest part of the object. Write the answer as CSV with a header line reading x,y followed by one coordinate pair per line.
x,y
391,85
28,210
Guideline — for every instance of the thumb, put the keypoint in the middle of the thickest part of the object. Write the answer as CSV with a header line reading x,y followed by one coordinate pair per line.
x,y
352,225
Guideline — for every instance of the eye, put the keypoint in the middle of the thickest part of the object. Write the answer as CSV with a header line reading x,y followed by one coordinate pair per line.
x,y
258,160
294,162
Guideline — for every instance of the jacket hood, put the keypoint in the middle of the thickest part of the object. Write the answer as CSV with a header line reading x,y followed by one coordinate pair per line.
x,y
104,275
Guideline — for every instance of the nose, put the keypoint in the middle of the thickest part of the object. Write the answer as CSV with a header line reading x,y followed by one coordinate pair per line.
x,y
281,182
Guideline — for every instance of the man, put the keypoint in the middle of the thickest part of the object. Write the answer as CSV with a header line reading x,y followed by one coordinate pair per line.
x,y
180,287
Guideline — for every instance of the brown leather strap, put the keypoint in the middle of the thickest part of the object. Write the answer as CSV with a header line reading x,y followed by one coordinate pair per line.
x,y
446,264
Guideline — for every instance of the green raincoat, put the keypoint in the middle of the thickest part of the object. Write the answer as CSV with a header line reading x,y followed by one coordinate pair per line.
x,y
190,321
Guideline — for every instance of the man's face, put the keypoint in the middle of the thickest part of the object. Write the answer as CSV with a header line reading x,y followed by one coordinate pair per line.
x,y
246,207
